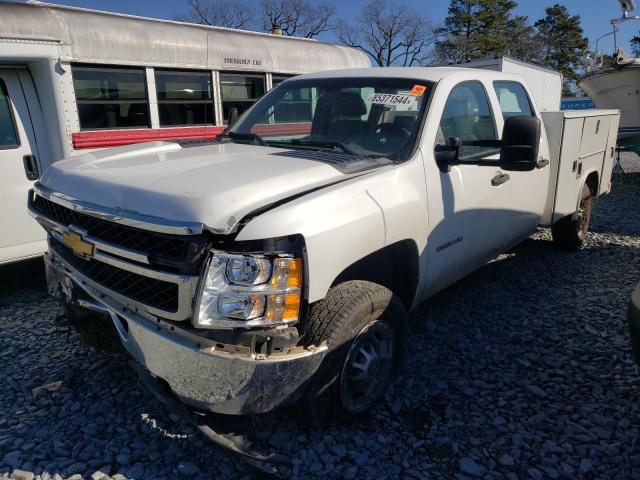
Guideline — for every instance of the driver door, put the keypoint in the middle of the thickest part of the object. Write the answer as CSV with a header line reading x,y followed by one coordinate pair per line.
x,y
469,207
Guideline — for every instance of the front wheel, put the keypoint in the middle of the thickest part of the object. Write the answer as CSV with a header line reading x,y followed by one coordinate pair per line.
x,y
362,324
570,232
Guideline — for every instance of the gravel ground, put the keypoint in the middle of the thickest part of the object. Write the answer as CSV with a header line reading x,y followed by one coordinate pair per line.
x,y
520,371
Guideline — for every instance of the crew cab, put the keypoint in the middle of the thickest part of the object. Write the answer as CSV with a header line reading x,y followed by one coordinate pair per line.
x,y
277,263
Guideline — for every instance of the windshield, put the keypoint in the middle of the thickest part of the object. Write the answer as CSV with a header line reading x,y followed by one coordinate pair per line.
x,y
369,117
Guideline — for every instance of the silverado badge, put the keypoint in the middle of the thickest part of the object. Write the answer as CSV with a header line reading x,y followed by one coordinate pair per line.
x,y
79,245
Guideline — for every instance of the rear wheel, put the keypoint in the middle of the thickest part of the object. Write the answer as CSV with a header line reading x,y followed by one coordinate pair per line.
x,y
570,232
362,324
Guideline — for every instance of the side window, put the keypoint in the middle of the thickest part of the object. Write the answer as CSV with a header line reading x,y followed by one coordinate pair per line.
x,y
111,97
8,134
467,116
513,98
239,91
184,97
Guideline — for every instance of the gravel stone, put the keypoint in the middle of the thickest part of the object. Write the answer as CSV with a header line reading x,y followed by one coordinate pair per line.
x,y
534,474
468,465
188,468
521,369
22,475
585,466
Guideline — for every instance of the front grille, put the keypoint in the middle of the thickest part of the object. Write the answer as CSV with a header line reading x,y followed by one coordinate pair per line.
x,y
149,291
165,246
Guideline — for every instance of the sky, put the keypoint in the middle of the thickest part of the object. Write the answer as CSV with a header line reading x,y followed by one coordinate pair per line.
x,y
595,14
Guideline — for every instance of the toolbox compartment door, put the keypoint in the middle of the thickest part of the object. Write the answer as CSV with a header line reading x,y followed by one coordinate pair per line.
x,y
579,142
609,156
595,135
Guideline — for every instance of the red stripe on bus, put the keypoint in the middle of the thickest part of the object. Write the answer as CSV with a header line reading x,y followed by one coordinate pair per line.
x,y
264,129
115,138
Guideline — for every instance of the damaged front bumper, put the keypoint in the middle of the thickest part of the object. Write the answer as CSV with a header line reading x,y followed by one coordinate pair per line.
x,y
202,373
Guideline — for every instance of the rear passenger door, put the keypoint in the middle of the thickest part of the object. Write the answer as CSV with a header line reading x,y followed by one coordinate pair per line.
x,y
20,235
528,189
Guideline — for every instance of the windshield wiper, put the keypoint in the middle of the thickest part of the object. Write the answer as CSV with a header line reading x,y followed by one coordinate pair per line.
x,y
252,137
325,143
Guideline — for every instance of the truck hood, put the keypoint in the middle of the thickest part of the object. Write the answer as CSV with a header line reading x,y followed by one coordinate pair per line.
x,y
215,184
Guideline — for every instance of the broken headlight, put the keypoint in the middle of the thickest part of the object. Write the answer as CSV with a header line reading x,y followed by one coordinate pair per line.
x,y
243,291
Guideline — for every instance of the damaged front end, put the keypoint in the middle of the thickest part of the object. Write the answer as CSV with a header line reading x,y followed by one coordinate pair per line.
x,y
216,322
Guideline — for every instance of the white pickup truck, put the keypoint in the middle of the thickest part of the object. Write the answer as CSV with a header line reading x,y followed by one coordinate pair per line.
x,y
277,263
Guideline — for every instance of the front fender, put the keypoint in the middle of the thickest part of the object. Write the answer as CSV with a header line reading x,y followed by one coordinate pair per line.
x,y
340,225
344,223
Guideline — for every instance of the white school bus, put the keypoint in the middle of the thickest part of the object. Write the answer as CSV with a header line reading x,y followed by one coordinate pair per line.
x,y
73,79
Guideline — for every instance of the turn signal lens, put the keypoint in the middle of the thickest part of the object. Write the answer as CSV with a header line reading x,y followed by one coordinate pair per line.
x,y
291,307
295,273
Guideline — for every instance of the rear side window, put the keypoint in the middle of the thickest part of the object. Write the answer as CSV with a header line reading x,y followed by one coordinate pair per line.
x,y
8,133
513,98
111,97
184,97
468,116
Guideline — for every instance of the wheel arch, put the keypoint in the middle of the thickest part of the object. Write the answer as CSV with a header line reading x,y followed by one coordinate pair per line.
x,y
593,182
394,266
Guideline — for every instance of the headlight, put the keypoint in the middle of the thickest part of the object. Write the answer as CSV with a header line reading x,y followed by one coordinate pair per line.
x,y
249,291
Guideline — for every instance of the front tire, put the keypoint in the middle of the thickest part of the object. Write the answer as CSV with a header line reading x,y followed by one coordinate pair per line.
x,y
362,324
570,232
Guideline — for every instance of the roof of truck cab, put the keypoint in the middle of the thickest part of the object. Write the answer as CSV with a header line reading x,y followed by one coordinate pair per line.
x,y
431,74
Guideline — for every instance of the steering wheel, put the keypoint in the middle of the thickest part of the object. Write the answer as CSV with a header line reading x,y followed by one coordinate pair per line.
x,y
389,137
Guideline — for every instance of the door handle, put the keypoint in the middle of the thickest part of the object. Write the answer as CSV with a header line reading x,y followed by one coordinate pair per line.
x,y
499,179
542,162
31,167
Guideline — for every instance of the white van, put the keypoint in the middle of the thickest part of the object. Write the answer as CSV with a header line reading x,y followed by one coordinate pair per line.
x,y
73,80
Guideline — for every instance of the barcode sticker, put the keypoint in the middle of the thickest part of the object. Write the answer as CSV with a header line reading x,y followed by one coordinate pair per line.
x,y
392,100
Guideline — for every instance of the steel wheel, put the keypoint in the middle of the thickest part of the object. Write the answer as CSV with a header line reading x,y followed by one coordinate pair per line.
x,y
583,217
570,232
367,368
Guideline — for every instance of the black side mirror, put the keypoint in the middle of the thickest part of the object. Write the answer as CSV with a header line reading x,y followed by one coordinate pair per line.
x,y
520,143
233,117
448,154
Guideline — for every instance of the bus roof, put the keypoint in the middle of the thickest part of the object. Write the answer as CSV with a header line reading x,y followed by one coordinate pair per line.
x,y
92,36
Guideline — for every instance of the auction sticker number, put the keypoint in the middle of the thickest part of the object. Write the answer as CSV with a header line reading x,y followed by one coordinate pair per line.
x,y
392,99
418,90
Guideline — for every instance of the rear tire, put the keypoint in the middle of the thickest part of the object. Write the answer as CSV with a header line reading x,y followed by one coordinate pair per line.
x,y
362,324
570,232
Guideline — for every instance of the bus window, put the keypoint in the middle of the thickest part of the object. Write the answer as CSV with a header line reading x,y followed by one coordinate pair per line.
x,y
296,106
110,97
8,134
184,97
239,91
278,79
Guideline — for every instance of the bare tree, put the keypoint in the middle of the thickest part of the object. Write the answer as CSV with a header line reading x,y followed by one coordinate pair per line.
x,y
392,34
297,17
221,13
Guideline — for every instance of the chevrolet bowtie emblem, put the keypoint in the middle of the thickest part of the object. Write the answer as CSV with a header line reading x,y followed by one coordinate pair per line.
x,y
79,245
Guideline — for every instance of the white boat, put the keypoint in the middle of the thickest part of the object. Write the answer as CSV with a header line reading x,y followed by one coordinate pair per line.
x,y
616,84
